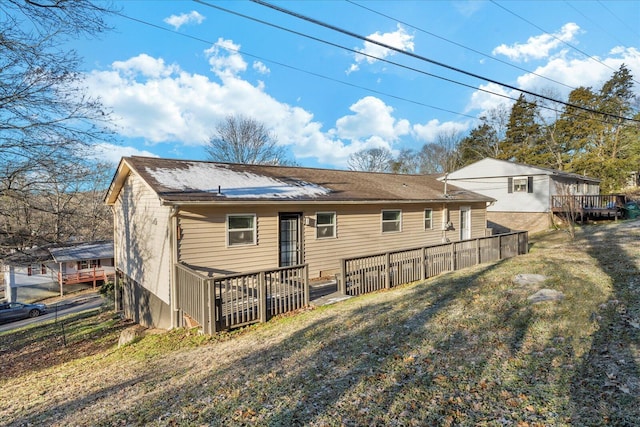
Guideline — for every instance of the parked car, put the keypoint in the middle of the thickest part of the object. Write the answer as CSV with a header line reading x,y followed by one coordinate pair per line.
x,y
10,311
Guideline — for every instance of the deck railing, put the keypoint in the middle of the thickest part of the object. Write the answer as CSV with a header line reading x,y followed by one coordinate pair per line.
x,y
587,202
91,275
370,273
225,302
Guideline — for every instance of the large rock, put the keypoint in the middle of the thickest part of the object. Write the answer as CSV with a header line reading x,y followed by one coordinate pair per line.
x,y
130,335
546,295
529,279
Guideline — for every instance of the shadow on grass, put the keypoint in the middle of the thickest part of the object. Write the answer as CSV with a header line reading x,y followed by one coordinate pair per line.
x,y
605,389
425,357
40,347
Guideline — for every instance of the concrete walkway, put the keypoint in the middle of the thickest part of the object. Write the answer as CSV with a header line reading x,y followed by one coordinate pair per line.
x,y
325,293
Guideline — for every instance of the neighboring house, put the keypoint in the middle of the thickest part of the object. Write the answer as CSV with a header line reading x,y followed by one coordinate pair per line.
x,y
221,219
522,192
46,271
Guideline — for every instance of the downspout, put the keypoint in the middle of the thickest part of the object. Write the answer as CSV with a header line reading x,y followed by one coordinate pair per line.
x,y
116,292
173,237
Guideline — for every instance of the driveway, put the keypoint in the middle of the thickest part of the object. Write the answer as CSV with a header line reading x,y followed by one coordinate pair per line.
x,y
74,304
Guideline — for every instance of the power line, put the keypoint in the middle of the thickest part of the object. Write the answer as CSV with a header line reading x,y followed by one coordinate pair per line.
x,y
459,44
633,30
593,22
420,57
555,37
298,33
479,89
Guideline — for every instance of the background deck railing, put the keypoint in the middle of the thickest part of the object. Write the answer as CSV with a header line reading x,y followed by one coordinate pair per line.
x,y
587,202
225,302
370,273
90,275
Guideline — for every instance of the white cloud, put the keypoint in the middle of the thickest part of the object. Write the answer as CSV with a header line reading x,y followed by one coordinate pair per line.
x,y
538,47
584,71
177,21
483,99
162,103
225,59
372,118
113,153
430,131
261,68
399,39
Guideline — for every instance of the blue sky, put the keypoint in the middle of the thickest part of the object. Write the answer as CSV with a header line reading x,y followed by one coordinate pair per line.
x,y
171,70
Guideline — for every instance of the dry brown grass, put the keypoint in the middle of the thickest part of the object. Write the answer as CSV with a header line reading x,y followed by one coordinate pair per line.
x,y
465,348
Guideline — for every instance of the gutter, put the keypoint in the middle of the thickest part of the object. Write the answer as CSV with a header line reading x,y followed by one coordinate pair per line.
x,y
231,202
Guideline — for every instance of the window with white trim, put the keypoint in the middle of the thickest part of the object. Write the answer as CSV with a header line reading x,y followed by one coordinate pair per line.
x,y
391,221
428,219
241,229
87,263
519,185
325,225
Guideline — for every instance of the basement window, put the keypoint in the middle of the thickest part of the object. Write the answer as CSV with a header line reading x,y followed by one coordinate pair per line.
x,y
241,230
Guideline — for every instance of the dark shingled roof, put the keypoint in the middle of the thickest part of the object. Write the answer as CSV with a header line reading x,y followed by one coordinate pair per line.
x,y
174,181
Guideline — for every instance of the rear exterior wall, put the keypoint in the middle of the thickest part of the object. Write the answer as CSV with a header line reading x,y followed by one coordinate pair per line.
x,y
202,234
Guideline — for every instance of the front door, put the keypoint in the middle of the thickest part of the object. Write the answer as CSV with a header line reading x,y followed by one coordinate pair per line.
x,y
465,222
290,239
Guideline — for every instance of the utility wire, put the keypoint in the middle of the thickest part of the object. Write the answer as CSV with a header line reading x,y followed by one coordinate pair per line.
x,y
493,58
593,22
555,37
208,42
420,57
555,110
604,6
298,33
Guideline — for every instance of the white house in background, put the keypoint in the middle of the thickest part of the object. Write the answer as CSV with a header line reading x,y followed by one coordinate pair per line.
x,y
46,271
522,192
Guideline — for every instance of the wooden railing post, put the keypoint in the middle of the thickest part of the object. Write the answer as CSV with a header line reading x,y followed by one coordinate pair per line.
x,y
306,284
387,268
262,297
477,251
206,318
213,311
453,256
342,280
423,263
500,247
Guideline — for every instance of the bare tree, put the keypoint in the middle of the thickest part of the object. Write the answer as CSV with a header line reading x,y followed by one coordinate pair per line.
x,y
407,162
46,118
442,155
240,139
371,160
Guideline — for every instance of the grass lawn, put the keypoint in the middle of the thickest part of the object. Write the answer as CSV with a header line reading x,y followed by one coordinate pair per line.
x,y
463,348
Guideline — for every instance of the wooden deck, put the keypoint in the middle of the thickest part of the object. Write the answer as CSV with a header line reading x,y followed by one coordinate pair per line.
x,y
583,207
93,276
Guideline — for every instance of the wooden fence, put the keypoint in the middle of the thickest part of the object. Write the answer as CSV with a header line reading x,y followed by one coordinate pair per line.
x,y
370,273
225,302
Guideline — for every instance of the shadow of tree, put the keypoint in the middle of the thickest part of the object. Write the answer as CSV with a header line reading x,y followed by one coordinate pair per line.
x,y
427,356
606,386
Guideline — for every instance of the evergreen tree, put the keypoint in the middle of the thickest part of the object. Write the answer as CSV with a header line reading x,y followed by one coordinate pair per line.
x,y
606,145
523,137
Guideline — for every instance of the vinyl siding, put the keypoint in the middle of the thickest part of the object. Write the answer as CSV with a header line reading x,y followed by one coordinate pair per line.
x,y
142,243
202,243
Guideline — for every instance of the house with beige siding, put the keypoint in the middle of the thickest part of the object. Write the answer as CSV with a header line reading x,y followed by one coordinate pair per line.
x,y
40,272
220,219
522,193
